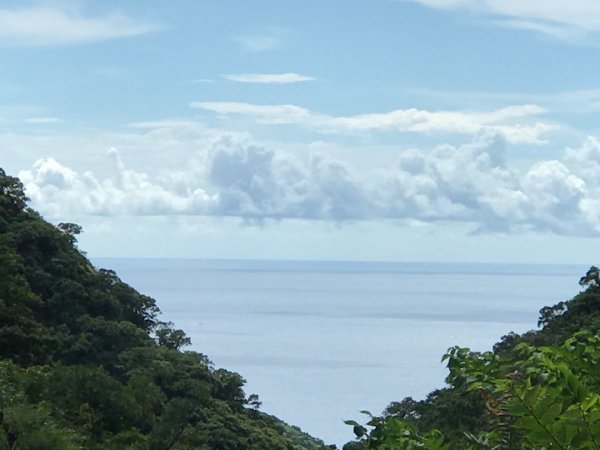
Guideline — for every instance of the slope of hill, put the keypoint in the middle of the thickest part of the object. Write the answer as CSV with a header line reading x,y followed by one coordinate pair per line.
x,y
537,390
86,362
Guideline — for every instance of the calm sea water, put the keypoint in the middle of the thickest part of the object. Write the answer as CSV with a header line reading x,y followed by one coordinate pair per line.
x,y
320,341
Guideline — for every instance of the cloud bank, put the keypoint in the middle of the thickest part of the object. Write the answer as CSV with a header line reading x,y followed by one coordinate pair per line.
x,y
45,26
516,123
472,183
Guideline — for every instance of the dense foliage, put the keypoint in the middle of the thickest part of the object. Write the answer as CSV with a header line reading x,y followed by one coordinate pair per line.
x,y
85,362
539,390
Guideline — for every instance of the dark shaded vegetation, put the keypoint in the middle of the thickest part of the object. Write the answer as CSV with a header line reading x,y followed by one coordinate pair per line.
x,y
86,362
538,390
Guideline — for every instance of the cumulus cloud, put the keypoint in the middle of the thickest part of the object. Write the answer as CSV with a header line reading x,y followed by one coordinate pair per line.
x,y
46,26
268,78
514,122
564,19
59,191
472,183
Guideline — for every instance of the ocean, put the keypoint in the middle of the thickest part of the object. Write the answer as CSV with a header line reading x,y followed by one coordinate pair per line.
x,y
319,341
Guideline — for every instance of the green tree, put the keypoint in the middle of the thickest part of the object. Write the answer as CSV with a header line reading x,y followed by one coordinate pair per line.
x,y
85,362
170,337
539,390
12,193
591,278
70,230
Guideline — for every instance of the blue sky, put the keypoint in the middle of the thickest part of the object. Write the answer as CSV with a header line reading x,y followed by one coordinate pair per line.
x,y
444,130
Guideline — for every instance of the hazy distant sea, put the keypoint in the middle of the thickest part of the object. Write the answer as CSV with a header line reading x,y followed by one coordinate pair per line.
x,y
320,341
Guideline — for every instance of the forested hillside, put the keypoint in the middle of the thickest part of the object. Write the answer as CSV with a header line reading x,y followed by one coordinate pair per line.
x,y
539,390
86,362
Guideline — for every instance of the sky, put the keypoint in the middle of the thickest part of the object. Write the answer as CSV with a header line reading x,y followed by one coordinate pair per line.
x,y
401,130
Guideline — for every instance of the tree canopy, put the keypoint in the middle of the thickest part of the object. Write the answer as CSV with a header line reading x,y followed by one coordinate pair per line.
x,y
539,390
86,362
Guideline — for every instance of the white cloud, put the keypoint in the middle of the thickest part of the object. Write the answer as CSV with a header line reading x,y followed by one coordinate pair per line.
x,y
582,101
231,177
60,192
268,78
43,120
502,120
565,19
272,114
45,26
